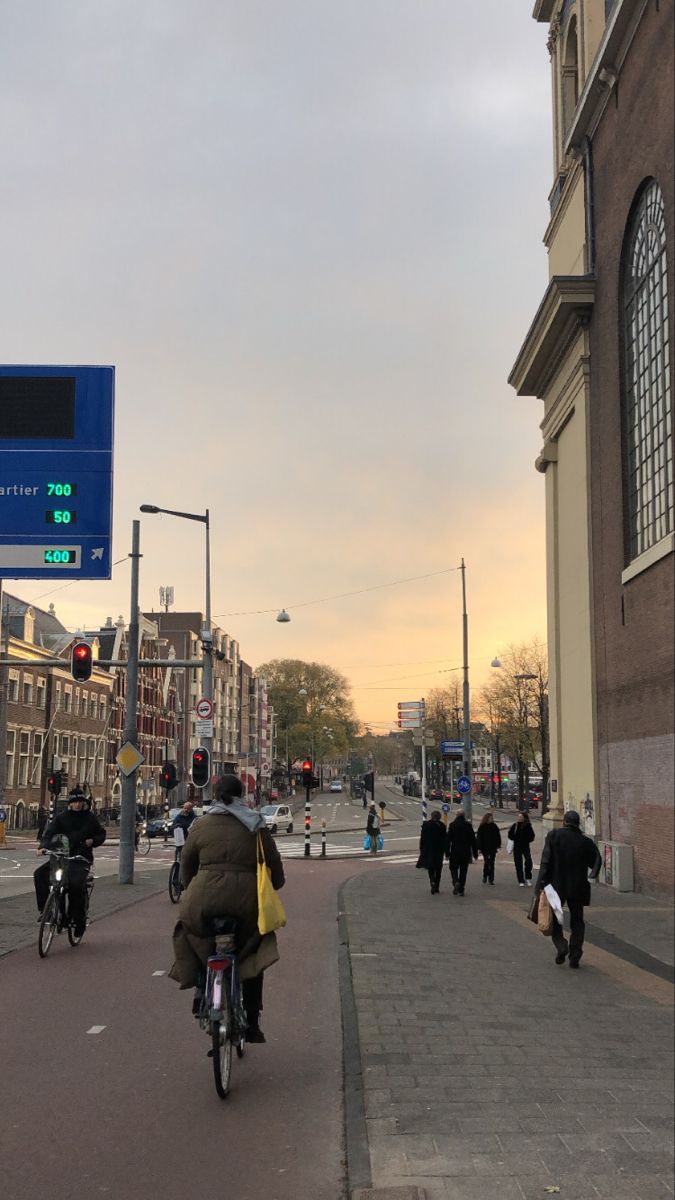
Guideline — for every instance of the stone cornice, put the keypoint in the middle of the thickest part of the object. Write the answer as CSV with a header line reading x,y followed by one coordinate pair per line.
x,y
621,25
544,9
565,308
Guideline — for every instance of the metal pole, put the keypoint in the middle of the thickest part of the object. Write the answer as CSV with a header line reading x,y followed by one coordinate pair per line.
x,y
207,648
424,771
323,838
466,757
128,809
308,817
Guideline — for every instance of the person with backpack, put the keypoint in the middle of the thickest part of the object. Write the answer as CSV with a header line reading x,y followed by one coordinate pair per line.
x,y
373,828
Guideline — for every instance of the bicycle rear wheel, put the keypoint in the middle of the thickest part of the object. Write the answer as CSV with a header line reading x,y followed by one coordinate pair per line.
x,y
175,888
48,923
143,846
221,1049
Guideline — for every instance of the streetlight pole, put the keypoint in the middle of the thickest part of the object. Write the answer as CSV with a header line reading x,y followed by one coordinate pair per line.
x,y
466,754
206,634
128,806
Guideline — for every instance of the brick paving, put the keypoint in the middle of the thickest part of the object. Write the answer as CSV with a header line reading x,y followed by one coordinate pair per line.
x,y
487,1071
18,914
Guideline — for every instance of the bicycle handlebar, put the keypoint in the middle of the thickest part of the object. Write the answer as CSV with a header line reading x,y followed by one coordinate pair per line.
x,y
68,857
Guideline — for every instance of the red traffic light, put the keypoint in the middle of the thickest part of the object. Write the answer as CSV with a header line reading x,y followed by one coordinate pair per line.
x,y
201,767
81,661
306,766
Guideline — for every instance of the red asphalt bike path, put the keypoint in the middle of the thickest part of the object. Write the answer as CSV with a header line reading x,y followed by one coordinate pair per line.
x,y
131,1112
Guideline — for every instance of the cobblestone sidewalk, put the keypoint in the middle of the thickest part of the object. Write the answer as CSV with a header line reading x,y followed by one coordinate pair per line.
x,y
488,1073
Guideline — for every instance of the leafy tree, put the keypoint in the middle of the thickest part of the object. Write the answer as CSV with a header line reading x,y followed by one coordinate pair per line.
x,y
313,707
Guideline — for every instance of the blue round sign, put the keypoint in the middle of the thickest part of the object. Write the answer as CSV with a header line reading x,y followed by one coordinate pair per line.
x,y
464,785
445,807
3,815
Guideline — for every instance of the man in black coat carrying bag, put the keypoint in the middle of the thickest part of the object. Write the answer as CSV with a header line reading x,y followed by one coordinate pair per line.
x,y
567,860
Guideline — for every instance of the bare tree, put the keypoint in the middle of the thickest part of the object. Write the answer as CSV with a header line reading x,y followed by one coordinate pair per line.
x,y
514,705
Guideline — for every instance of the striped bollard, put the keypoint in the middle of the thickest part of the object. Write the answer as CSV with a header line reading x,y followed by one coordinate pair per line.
x,y
323,838
308,819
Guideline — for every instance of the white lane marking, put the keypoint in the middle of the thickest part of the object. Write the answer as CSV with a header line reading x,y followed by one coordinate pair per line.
x,y
159,972
97,1029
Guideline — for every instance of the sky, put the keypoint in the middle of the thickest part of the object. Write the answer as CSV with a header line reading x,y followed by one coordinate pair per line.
x,y
308,236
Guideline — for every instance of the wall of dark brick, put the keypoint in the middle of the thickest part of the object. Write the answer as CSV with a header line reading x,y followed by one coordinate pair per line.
x,y
634,626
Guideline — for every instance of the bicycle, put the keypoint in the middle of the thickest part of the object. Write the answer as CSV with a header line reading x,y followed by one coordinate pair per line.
x,y
142,840
175,885
221,1013
55,917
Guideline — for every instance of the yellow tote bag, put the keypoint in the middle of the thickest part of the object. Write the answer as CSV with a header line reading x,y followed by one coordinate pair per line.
x,y
271,912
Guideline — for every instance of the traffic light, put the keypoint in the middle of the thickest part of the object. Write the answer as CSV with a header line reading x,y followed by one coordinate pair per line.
x,y
307,774
81,662
201,767
54,782
167,776
369,782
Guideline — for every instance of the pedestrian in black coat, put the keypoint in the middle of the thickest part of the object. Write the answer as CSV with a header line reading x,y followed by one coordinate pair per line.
x,y
460,848
566,861
432,849
43,820
521,834
488,840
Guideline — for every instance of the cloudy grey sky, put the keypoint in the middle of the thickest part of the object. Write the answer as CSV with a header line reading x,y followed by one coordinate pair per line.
x,y
308,236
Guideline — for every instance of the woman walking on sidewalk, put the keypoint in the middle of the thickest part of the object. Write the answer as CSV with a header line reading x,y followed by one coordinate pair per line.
x,y
432,848
521,834
488,840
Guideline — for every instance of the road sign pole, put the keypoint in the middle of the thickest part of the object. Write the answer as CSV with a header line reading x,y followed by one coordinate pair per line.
x,y
128,809
208,658
424,773
466,759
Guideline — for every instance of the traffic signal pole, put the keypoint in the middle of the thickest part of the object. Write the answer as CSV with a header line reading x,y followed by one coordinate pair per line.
x,y
128,809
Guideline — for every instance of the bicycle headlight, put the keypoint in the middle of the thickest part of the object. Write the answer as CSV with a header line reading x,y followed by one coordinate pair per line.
x,y
58,874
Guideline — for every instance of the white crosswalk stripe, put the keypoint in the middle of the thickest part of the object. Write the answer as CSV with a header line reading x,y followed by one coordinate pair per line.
x,y
297,850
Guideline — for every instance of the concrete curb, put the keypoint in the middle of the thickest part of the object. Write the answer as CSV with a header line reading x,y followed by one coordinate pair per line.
x,y
356,1139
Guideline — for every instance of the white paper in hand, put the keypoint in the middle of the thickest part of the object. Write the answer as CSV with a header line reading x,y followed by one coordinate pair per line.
x,y
509,846
555,902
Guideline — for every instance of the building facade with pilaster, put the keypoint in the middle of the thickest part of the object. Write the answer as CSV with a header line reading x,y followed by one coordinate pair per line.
x,y
599,355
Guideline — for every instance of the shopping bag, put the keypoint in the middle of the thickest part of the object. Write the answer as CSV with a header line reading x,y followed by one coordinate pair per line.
x,y
533,914
545,916
366,842
380,842
509,845
271,912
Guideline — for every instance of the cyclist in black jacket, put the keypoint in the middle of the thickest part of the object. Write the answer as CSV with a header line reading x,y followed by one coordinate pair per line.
x,y
84,831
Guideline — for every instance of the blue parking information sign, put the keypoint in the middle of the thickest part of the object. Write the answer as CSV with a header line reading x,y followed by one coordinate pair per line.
x,y
56,471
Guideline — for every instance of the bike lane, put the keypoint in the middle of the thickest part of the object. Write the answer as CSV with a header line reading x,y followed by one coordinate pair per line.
x,y
106,1086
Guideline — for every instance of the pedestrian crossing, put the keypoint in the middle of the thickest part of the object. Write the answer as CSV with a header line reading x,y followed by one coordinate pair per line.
x,y
296,849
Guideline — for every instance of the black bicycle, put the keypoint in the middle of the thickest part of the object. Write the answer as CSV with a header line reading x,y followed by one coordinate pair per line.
x,y
221,1014
175,885
55,915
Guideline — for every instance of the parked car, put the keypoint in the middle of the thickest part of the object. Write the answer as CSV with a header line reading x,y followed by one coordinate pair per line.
x,y
157,827
277,816
335,785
